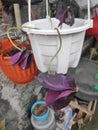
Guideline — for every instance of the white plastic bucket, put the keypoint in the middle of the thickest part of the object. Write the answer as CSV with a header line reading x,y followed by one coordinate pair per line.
x,y
48,124
45,42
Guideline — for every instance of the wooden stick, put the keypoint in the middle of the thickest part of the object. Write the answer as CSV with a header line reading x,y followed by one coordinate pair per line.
x,y
92,53
17,14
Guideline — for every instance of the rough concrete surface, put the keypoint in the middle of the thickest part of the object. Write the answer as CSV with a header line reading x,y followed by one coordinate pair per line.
x,y
16,101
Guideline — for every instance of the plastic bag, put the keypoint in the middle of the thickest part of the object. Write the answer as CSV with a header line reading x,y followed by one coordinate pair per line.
x,y
67,118
59,99
60,89
57,82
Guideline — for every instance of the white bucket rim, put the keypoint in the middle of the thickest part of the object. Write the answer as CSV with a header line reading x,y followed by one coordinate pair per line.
x,y
86,24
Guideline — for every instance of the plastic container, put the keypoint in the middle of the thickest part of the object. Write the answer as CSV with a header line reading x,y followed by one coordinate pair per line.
x,y
14,73
48,124
85,76
45,41
43,117
68,118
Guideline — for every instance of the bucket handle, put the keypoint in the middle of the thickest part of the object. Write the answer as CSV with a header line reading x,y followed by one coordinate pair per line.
x,y
47,8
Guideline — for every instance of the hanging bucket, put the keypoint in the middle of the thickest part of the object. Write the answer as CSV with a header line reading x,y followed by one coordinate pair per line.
x,y
15,73
45,41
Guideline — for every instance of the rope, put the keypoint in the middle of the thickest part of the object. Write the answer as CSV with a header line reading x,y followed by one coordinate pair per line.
x,y
13,28
32,13
59,35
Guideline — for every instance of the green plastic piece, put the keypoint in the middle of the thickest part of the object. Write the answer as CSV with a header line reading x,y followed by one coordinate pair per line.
x,y
96,87
96,75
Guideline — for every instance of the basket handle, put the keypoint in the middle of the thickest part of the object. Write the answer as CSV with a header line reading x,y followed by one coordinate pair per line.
x,y
29,10
47,14
88,10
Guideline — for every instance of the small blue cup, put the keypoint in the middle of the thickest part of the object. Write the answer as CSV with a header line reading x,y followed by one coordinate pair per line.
x,y
43,117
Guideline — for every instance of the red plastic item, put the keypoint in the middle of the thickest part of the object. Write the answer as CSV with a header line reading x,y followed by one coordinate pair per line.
x,y
93,31
15,73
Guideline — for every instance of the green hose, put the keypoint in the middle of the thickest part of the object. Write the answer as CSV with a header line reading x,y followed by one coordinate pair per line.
x,y
13,28
59,35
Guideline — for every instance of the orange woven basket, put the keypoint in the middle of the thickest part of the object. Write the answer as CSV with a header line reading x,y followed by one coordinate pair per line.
x,y
15,73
